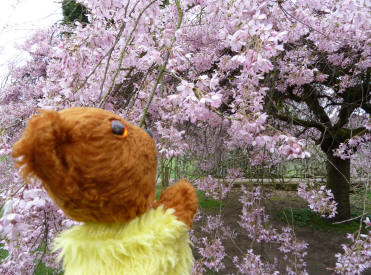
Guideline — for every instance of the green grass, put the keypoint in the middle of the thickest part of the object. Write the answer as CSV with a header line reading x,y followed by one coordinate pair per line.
x,y
356,200
307,218
41,269
210,272
203,201
361,194
3,253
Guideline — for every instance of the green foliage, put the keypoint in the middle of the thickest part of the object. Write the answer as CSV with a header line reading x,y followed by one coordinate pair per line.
x,y
357,199
186,169
291,171
73,11
306,217
205,202
2,158
210,272
3,253
41,269
164,3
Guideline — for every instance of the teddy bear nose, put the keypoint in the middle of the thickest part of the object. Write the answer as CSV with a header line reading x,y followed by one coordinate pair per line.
x,y
117,127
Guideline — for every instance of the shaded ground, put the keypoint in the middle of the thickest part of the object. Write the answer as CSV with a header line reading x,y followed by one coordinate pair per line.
x,y
323,243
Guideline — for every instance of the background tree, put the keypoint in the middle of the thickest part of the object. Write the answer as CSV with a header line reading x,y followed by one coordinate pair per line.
x,y
321,88
72,11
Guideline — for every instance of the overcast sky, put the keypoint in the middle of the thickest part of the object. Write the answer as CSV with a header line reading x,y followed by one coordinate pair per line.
x,y
18,19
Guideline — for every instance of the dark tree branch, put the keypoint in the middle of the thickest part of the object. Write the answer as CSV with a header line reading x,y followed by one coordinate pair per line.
x,y
354,97
311,99
367,108
358,131
299,122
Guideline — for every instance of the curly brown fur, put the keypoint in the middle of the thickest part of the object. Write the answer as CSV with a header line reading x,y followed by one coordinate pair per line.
x,y
181,197
92,174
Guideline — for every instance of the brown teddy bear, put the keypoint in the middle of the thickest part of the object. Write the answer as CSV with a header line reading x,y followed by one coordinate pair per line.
x,y
101,171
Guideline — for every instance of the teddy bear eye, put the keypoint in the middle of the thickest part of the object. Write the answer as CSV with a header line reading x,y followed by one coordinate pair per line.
x,y
118,128
149,132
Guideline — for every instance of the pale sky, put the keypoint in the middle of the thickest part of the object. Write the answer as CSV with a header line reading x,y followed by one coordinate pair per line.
x,y
18,19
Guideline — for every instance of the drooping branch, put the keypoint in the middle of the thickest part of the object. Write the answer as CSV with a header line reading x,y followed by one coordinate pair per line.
x,y
311,99
117,39
332,138
128,40
358,131
163,66
354,97
345,111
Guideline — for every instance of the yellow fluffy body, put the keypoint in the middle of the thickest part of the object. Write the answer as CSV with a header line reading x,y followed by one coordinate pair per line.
x,y
153,244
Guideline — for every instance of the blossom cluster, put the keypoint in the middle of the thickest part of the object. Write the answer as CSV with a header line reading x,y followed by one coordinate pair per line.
x,y
252,263
28,225
209,242
256,223
320,199
348,149
214,188
356,256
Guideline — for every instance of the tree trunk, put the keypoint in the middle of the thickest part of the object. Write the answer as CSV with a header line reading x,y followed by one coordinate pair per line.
x,y
338,180
166,177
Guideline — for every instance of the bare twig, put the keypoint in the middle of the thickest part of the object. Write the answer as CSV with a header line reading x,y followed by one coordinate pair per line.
x,y
118,36
109,59
355,218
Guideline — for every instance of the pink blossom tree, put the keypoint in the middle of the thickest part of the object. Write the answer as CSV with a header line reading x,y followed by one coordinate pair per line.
x,y
320,83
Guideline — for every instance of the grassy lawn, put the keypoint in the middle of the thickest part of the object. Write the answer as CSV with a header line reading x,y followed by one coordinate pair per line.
x,y
3,253
41,269
307,218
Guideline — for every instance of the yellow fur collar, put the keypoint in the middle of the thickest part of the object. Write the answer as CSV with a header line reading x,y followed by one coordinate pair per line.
x,y
154,243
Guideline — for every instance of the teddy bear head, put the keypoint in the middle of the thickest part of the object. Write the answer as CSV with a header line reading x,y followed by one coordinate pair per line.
x,y
96,166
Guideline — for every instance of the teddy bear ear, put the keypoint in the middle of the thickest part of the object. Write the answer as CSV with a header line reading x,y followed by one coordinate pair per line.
x,y
38,152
